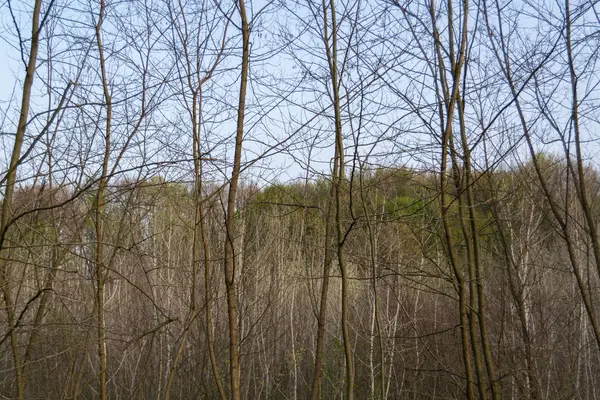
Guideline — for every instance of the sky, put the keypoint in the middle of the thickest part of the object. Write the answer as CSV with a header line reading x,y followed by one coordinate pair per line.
x,y
389,112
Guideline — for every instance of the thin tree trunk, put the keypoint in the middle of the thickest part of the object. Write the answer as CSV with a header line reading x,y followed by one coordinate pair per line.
x,y
102,183
450,96
472,239
229,251
518,294
11,176
376,316
338,181
208,299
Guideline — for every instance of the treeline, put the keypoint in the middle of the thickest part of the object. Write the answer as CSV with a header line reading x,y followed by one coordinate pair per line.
x,y
163,305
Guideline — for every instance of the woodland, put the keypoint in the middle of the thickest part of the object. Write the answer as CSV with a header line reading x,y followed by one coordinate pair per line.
x,y
299,199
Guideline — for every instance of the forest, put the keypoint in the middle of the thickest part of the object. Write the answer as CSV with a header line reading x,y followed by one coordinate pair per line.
x,y
299,199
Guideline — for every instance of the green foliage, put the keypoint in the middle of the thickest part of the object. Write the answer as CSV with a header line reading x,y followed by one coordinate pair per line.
x,y
405,206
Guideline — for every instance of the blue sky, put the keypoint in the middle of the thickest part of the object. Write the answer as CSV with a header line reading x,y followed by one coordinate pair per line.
x,y
288,100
